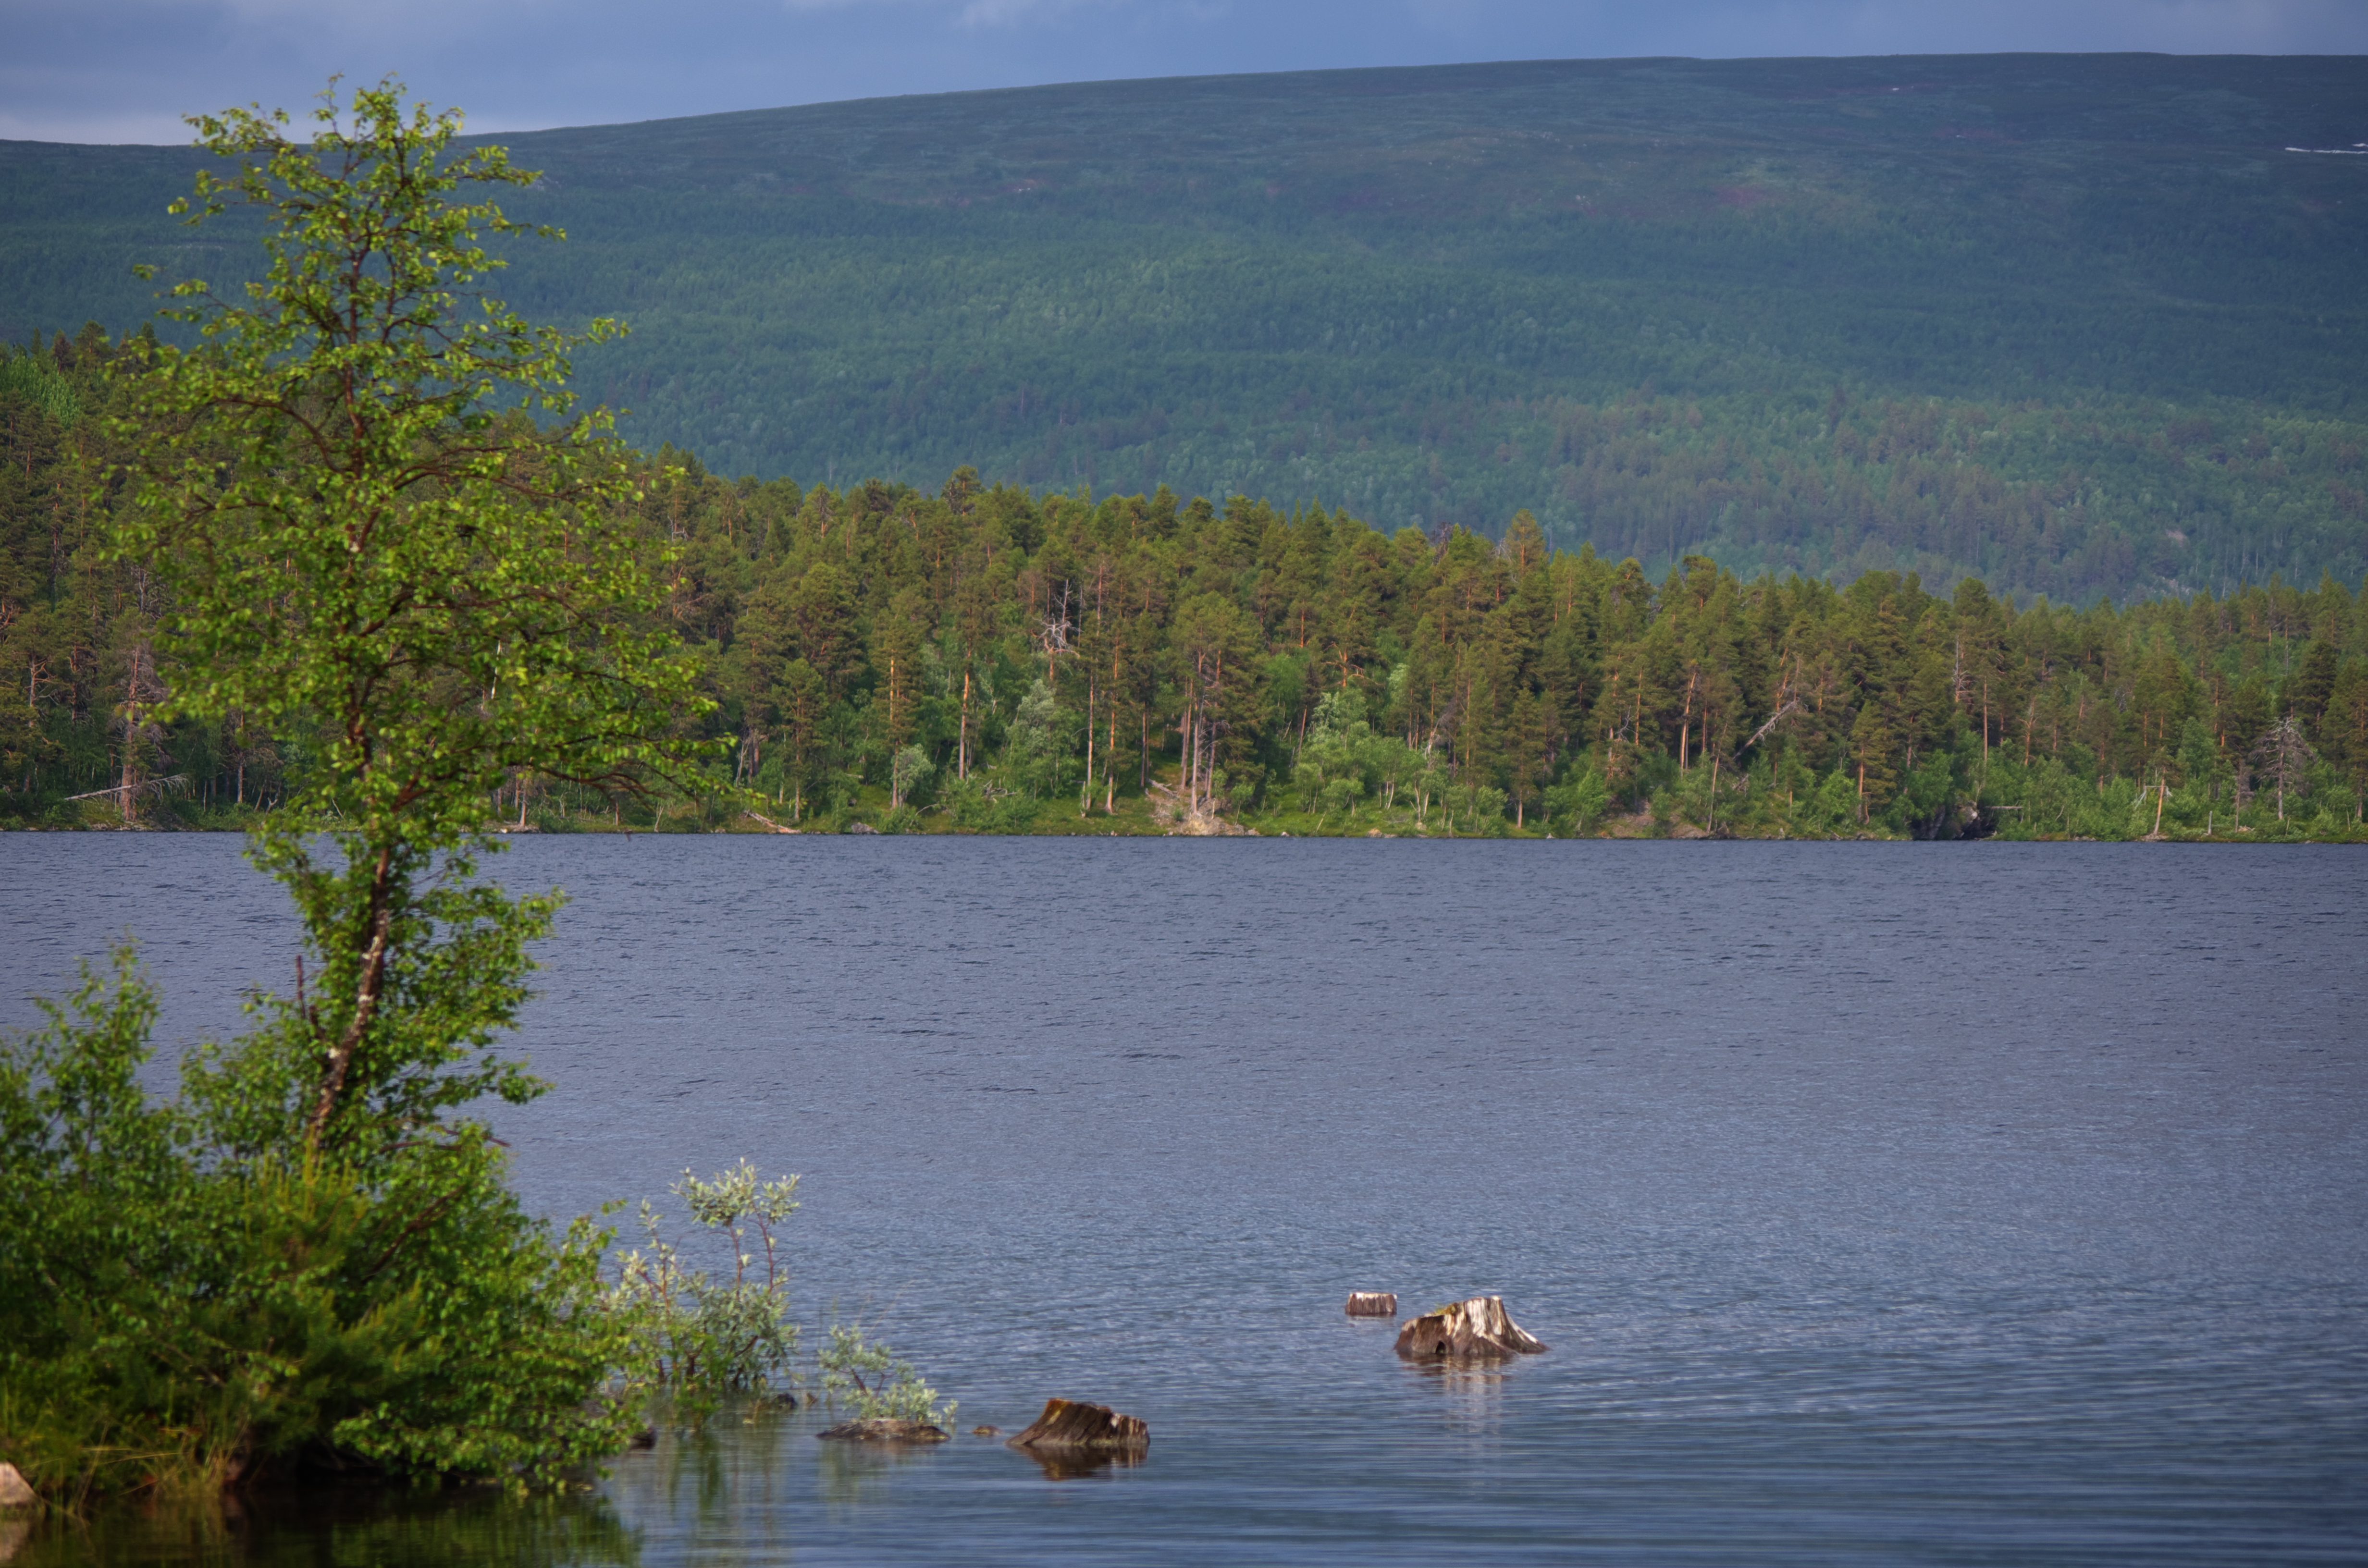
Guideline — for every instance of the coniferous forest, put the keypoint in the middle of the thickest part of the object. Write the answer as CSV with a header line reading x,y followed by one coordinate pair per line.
x,y
986,658
2081,325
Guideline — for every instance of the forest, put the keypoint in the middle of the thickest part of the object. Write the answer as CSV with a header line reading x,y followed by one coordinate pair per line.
x,y
990,658
2079,325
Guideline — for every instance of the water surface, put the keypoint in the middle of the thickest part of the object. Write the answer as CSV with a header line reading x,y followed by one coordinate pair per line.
x,y
1952,1204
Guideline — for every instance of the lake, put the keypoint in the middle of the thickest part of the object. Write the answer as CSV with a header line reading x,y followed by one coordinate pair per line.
x,y
1878,1203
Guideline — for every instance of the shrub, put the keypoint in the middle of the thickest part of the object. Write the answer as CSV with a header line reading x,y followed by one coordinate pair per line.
x,y
872,1378
704,1338
178,1312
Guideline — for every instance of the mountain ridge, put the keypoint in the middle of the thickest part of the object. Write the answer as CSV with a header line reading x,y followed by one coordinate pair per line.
x,y
1663,304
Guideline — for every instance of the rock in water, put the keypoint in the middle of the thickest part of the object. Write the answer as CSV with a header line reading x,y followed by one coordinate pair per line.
x,y
16,1492
1477,1329
883,1429
1068,1423
1372,1304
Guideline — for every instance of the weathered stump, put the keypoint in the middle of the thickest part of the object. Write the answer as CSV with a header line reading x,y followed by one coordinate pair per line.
x,y
1372,1304
1473,1330
1070,1424
883,1429
15,1491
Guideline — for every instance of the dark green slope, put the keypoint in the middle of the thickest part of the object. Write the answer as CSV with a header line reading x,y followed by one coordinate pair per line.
x,y
2080,323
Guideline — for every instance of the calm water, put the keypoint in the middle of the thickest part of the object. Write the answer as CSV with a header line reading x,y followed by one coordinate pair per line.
x,y
1881,1203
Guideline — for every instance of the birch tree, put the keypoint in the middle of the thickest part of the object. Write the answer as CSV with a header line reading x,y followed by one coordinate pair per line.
x,y
385,527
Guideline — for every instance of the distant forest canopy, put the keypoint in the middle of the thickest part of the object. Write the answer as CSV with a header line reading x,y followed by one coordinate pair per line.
x,y
981,657
2078,325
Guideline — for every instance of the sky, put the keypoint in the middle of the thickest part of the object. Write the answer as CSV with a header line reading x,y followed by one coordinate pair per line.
x,y
127,70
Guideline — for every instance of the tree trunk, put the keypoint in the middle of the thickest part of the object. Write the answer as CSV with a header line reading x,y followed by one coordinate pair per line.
x,y
883,1429
1085,796
341,1055
1071,1423
1471,1330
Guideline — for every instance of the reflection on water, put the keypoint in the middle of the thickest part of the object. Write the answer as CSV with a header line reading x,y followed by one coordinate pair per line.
x,y
380,1527
1474,1391
732,1480
1075,1464
851,1475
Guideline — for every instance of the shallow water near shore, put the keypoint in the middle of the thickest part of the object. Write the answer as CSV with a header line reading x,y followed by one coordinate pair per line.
x,y
1951,1204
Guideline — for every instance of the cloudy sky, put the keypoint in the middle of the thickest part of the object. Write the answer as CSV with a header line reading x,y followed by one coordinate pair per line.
x,y
126,70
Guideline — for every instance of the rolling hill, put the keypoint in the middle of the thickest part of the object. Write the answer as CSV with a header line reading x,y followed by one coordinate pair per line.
x,y
2078,325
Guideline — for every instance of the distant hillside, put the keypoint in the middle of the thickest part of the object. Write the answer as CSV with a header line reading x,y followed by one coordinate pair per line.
x,y
2078,325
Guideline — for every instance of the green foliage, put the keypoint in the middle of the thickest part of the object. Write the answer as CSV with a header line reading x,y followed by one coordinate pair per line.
x,y
34,381
1577,806
177,1311
1342,760
875,1382
344,539
909,772
706,1337
363,550
1036,755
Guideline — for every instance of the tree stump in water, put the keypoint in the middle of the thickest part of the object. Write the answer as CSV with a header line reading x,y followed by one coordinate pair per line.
x,y
1068,1423
1472,1330
883,1429
1372,1304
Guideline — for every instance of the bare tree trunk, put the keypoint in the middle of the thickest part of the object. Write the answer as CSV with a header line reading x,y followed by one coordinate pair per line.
x,y
1192,756
341,1055
131,740
1686,721
1085,796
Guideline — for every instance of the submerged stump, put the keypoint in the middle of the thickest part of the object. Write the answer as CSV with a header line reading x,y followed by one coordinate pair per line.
x,y
1477,1329
1372,1304
1072,1423
883,1429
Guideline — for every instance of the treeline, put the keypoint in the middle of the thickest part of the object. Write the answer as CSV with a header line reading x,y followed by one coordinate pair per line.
x,y
987,658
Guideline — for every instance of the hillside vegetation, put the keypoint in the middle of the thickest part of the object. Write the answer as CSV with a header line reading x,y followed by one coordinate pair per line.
x,y
2075,324
979,658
